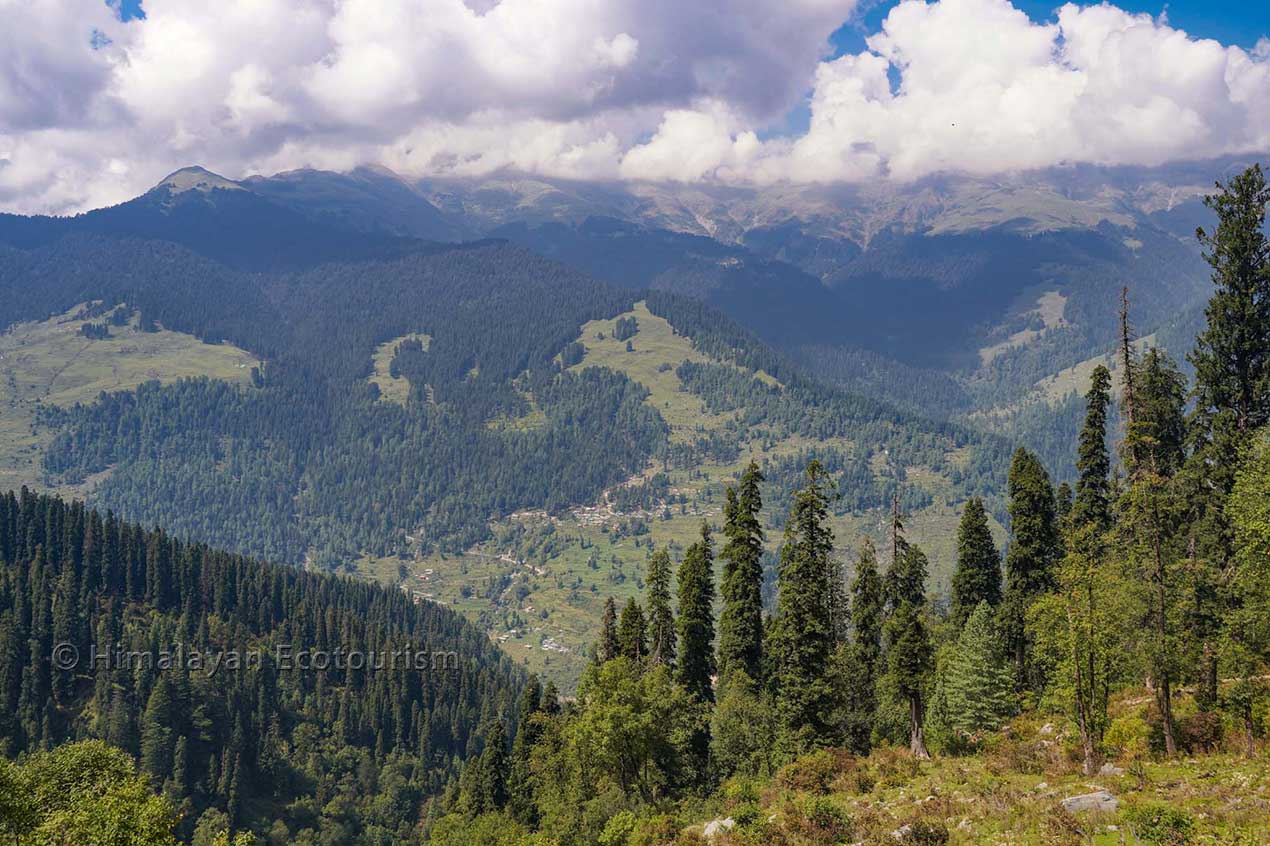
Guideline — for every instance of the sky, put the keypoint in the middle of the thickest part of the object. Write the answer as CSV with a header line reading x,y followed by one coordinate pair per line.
x,y
99,101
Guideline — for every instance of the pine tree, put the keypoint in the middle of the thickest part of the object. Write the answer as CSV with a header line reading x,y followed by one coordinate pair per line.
x,y
859,678
1093,464
741,620
1031,558
606,649
632,632
909,652
490,788
661,620
975,690
528,731
1232,399
803,639
978,575
696,618
156,733
1152,513
1231,357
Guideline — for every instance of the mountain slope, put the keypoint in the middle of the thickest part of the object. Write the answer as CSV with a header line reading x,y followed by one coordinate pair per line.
x,y
210,667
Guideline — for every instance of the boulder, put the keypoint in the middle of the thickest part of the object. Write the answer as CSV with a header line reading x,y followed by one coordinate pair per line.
x,y
716,827
1101,800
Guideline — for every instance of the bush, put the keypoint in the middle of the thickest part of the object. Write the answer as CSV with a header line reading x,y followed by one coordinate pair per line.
x,y
925,832
654,831
1061,828
1159,824
1201,732
810,774
820,819
618,829
1127,737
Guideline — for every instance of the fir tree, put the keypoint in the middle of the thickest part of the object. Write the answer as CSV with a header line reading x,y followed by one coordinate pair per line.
x,y
859,678
696,618
1093,464
978,575
975,690
1231,357
156,733
661,620
1032,556
632,632
1232,398
606,649
803,638
909,652
490,788
741,620
1151,510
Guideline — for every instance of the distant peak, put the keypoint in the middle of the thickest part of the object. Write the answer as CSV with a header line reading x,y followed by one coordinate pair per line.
x,y
197,179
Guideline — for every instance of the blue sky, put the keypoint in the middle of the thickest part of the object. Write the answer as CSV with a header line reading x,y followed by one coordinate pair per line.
x,y
1237,22
1241,22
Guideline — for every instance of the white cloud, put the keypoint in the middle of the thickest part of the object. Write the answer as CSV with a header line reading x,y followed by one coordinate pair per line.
x,y
636,89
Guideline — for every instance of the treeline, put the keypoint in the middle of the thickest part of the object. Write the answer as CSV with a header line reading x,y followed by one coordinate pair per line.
x,y
313,754
1153,571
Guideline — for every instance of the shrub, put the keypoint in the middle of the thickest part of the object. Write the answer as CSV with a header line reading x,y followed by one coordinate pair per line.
x,y
617,830
1159,824
1127,737
820,819
1201,732
810,774
1061,828
925,832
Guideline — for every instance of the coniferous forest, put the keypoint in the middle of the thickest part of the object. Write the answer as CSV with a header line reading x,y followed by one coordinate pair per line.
x,y
1130,614
1122,630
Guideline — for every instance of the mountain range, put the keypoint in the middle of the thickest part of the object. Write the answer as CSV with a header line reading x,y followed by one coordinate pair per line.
x,y
500,393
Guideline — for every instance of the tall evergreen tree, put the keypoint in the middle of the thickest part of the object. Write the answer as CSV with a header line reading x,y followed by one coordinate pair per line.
x,y
661,619
606,648
802,636
909,652
632,632
1231,398
1231,357
529,730
860,680
156,732
975,690
696,618
1031,558
490,788
1151,511
978,575
1093,464
741,620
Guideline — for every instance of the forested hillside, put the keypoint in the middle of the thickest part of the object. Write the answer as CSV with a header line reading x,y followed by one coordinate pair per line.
x,y
1103,681
233,681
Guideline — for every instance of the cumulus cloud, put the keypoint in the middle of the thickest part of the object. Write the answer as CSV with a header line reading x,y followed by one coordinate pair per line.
x,y
984,89
94,110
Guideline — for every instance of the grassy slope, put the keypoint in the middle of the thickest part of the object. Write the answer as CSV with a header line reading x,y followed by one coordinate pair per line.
x,y
393,389
51,363
551,627
1006,796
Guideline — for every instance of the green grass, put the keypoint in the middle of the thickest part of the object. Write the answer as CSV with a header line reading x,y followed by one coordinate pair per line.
x,y
547,615
50,362
393,389
1006,796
